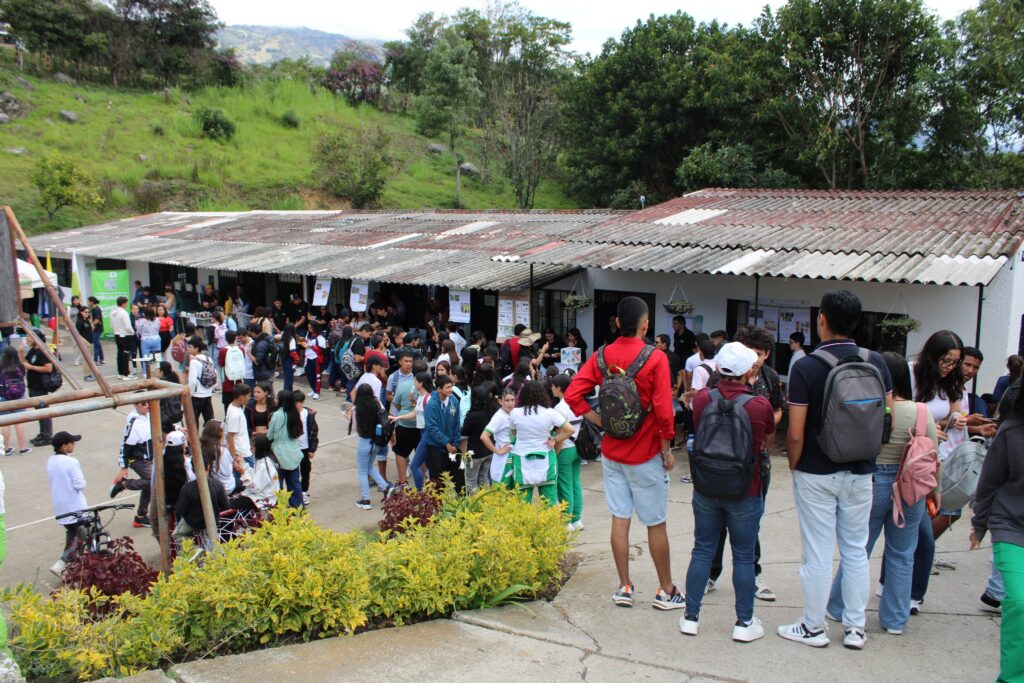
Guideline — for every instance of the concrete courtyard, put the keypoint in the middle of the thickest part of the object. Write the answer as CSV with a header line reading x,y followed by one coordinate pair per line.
x,y
581,634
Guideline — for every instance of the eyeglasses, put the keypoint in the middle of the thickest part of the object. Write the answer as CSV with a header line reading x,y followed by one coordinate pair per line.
x,y
949,362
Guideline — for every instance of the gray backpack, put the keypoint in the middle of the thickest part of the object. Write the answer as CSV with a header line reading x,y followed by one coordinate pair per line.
x,y
722,463
851,424
961,471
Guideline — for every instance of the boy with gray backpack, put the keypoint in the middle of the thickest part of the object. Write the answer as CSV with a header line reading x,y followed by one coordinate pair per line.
x,y
728,464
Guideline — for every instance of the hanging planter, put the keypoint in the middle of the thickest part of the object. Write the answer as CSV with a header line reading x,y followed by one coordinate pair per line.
x,y
577,302
899,326
680,305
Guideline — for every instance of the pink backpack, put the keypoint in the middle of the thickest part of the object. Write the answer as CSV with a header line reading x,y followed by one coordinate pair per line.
x,y
917,476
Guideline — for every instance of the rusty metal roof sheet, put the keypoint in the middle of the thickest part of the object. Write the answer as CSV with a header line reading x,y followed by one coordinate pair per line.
x,y
956,238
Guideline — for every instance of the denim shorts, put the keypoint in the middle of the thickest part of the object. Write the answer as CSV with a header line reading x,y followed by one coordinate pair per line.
x,y
380,452
642,489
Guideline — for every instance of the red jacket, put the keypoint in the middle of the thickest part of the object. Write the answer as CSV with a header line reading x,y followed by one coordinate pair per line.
x,y
655,389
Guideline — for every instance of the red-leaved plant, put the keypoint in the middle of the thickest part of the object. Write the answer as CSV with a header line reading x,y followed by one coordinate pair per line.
x,y
122,570
407,502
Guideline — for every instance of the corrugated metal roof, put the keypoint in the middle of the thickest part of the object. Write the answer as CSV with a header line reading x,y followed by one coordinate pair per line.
x,y
954,238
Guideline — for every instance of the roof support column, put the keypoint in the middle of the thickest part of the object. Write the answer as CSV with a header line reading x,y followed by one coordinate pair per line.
x,y
977,332
757,298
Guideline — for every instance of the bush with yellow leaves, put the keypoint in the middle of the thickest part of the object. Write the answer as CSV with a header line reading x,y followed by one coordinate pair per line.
x,y
292,580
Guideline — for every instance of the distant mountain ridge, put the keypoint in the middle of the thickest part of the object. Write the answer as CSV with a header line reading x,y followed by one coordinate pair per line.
x,y
267,44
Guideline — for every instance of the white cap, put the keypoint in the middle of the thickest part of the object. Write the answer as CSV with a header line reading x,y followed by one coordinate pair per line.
x,y
735,360
176,438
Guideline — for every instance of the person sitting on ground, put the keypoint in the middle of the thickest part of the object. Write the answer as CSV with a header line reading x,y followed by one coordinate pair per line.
x,y
188,511
261,480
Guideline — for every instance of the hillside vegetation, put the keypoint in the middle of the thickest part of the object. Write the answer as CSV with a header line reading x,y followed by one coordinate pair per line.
x,y
268,44
146,152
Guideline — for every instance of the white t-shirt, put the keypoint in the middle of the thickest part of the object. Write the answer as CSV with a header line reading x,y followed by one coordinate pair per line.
x,y
223,470
533,429
304,439
246,350
421,409
310,350
692,362
234,423
563,409
195,369
459,341
939,406
500,430
372,380
67,486
797,355
700,375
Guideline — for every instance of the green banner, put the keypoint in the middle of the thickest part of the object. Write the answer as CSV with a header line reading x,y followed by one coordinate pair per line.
x,y
107,286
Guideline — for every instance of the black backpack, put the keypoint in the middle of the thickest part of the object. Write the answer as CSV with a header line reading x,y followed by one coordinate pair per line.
x,y
722,463
385,428
622,412
588,441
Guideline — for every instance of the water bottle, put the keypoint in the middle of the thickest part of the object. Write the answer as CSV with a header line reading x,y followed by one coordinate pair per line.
x,y
689,445
378,430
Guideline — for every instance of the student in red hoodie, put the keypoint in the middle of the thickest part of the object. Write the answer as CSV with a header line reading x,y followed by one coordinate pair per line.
x,y
635,469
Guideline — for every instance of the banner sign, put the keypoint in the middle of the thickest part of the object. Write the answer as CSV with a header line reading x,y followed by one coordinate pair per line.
x,y
107,286
360,297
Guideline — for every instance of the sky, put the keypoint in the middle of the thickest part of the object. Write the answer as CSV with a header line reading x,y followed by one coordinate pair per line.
x,y
593,21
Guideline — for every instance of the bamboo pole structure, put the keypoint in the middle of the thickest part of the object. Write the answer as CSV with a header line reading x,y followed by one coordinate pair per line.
x,y
86,349
66,396
45,349
156,429
192,429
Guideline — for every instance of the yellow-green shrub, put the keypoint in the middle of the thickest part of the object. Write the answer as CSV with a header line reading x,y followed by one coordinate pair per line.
x,y
291,579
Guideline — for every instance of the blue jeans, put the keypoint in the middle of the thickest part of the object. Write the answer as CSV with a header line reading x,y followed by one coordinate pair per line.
x,y
287,371
924,555
149,346
97,347
419,459
366,459
996,587
833,508
898,558
743,520
292,482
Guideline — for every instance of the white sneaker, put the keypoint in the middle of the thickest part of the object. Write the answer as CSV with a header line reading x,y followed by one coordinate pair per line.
x,y
799,633
576,526
710,587
748,633
305,499
762,591
688,625
915,606
854,639
878,589
58,568
315,396
894,631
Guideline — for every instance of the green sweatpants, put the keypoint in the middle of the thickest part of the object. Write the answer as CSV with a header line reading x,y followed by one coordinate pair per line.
x,y
3,556
1010,561
570,490
513,476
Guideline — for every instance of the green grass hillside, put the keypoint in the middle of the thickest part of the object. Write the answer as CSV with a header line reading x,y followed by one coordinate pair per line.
x,y
144,150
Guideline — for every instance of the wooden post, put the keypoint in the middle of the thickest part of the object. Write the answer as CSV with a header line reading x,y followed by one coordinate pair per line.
x,y
192,429
163,532
85,348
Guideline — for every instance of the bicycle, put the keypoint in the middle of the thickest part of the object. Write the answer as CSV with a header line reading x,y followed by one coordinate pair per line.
x,y
92,536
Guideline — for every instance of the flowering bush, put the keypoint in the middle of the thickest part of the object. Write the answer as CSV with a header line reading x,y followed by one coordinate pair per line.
x,y
291,579
408,506
121,571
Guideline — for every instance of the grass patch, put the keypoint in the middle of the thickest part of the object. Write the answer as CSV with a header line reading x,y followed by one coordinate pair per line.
x,y
125,138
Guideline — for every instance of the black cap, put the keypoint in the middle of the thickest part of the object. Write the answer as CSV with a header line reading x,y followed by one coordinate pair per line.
x,y
61,439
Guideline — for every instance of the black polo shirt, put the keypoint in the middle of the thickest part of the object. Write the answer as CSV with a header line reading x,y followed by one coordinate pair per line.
x,y
807,388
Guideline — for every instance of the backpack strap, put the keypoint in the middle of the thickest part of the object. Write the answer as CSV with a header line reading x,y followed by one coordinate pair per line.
x,y
638,363
602,366
921,425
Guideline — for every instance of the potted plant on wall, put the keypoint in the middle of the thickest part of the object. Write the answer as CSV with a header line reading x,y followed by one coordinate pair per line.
x,y
574,301
899,325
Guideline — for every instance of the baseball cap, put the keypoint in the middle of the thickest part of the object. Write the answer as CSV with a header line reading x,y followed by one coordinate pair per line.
x,y
62,439
175,438
735,360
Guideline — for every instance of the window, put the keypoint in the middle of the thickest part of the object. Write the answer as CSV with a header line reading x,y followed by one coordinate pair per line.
x,y
549,312
868,335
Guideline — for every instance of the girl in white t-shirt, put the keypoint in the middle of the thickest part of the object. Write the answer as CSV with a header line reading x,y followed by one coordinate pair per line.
x,y
497,436
315,353
539,431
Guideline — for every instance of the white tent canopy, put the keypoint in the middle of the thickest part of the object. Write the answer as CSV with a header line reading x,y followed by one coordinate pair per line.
x,y
28,278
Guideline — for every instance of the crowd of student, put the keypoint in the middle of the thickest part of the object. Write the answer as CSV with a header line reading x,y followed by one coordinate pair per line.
x,y
489,414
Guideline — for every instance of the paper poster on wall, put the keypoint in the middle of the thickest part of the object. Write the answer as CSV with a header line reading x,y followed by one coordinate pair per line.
x,y
321,291
107,286
359,297
506,317
523,313
458,305
794,320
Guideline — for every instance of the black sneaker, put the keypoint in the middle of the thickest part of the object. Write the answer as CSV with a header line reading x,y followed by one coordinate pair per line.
x,y
364,504
41,440
991,602
140,522
117,488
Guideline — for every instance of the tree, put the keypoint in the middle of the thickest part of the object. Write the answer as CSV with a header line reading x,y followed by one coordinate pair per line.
x,y
845,80
405,61
62,183
728,166
451,96
355,167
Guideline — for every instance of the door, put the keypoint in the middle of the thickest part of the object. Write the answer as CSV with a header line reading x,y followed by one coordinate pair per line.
x,y
606,303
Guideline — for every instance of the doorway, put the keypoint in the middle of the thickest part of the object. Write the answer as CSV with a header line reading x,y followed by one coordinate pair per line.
x,y
606,303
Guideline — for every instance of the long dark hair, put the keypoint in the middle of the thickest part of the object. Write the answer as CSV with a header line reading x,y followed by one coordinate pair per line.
x,y
261,448
928,382
470,356
461,378
481,398
11,360
900,373
426,379
521,375
581,343
210,441
287,335
168,374
366,408
533,397
286,402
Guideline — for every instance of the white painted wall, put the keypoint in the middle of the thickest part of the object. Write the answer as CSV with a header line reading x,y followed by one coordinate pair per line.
x,y
937,307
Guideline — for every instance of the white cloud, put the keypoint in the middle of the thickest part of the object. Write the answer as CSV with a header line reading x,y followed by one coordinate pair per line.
x,y
593,22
